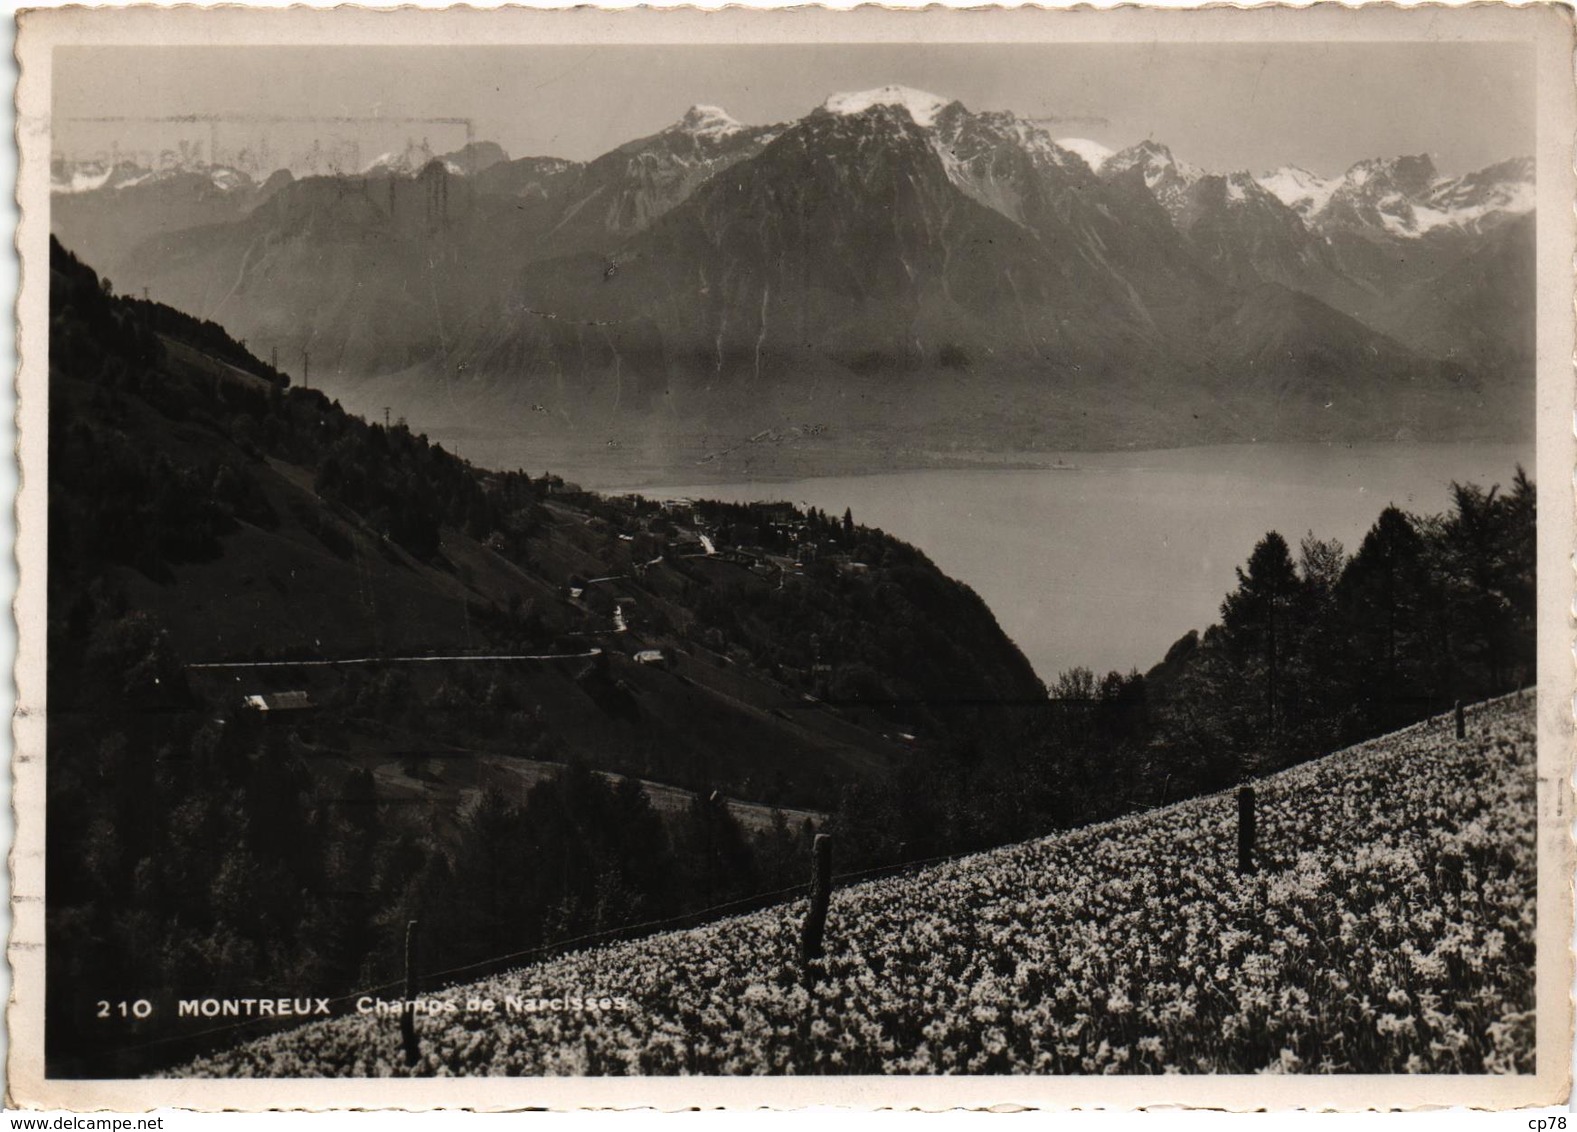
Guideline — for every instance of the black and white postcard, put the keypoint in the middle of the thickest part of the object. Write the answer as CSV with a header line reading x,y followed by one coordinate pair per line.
x,y
585,558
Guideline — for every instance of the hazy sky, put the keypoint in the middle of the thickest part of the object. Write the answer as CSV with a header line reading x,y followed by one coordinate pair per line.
x,y
1320,105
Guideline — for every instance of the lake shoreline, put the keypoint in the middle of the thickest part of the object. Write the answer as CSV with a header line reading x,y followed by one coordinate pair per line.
x,y
1107,560
639,471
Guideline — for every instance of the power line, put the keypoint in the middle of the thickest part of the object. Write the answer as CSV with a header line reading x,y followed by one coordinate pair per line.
x,y
357,660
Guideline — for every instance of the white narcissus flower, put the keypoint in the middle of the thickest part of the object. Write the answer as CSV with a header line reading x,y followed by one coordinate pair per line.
x,y
1127,947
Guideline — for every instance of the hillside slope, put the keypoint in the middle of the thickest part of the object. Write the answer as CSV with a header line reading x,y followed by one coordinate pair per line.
x,y
272,526
332,669
1390,929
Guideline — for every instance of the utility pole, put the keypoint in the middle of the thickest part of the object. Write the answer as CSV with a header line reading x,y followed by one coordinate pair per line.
x,y
386,418
306,370
273,359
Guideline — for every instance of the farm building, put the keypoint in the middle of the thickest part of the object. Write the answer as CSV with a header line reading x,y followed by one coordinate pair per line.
x,y
272,703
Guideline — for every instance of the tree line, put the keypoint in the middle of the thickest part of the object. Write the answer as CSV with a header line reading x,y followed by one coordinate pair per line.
x,y
1315,649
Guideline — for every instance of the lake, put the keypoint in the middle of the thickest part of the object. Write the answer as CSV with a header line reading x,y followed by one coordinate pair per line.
x,y
1107,561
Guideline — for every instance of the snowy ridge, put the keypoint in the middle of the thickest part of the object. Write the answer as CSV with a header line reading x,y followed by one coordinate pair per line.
x,y
90,176
82,179
702,121
1297,188
922,107
1159,166
1166,177
1510,199
412,159
1468,201
1093,153
1404,196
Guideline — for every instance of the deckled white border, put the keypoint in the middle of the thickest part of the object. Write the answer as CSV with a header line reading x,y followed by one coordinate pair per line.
x,y
1548,29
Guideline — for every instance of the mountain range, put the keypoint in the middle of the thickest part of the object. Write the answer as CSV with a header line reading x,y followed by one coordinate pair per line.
x,y
929,279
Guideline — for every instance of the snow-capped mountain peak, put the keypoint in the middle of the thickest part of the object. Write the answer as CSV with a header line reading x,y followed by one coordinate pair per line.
x,y
412,159
1157,162
1411,175
1468,201
226,179
704,121
87,176
1241,187
68,177
1297,188
1093,153
1405,196
1165,176
922,107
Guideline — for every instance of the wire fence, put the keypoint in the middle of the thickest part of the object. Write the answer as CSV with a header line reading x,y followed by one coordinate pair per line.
x,y
257,1026
442,980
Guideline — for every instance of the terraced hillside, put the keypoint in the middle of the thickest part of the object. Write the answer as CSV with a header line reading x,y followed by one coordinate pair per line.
x,y
1390,928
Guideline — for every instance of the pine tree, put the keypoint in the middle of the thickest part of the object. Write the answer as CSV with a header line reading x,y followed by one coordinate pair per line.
x,y
1383,610
1257,617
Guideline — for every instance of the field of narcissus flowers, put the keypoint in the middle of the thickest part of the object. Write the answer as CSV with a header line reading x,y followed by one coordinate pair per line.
x,y
1389,929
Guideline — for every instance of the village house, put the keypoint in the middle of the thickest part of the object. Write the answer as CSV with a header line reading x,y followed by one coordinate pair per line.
x,y
272,704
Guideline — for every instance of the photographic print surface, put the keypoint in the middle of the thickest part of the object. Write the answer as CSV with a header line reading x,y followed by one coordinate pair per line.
x,y
1020,558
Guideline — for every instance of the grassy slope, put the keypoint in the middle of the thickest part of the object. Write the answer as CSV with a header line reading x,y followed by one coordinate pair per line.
x,y
1390,929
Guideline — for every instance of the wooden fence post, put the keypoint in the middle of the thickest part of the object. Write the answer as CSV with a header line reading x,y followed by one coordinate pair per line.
x,y
1245,830
408,1012
820,897
1461,722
